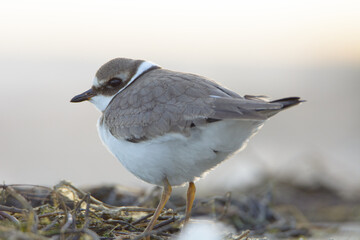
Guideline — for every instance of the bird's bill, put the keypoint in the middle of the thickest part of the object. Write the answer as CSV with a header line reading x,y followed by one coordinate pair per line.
x,y
84,96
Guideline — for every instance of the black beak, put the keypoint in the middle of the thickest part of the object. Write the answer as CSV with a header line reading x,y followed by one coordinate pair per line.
x,y
84,96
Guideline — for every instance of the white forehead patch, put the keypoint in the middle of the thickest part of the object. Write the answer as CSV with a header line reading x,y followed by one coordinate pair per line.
x,y
96,82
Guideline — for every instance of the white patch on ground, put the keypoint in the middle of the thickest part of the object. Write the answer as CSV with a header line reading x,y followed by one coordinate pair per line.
x,y
204,229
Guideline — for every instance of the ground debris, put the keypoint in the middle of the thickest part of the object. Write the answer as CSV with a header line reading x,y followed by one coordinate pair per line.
x,y
66,212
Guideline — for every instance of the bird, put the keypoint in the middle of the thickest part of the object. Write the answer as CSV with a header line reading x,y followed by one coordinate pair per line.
x,y
170,128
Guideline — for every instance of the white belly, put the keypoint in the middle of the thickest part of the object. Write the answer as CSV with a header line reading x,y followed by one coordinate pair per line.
x,y
181,158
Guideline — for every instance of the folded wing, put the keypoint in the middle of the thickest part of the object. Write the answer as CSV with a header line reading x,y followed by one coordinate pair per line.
x,y
176,102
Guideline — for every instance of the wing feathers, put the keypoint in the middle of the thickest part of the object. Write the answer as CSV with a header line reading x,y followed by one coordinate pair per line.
x,y
163,101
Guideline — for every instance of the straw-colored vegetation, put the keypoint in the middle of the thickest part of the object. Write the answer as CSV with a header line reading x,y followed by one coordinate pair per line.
x,y
66,212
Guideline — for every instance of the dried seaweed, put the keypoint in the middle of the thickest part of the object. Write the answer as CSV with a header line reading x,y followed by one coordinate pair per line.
x,y
66,212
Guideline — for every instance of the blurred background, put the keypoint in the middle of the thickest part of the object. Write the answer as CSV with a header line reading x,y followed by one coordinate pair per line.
x,y
50,51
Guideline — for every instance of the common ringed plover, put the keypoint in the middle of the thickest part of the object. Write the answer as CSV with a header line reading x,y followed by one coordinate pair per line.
x,y
169,128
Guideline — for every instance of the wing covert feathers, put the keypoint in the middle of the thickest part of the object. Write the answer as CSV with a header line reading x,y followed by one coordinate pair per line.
x,y
163,101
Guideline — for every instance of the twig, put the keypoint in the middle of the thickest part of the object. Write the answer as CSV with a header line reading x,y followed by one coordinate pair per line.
x,y
19,197
243,235
24,184
77,208
124,223
11,218
49,226
108,207
63,205
87,231
68,223
33,218
142,219
11,209
159,230
81,193
50,214
91,234
87,221
163,223
78,205
128,209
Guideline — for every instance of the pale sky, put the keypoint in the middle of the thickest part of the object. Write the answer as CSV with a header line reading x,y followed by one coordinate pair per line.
x,y
301,31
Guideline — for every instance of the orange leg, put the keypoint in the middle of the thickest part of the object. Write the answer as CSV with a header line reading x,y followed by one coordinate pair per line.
x,y
164,198
189,200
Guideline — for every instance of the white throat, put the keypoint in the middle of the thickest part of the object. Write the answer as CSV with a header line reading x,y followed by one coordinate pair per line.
x,y
101,102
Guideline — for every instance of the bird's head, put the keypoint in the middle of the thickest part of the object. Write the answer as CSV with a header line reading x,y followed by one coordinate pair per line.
x,y
112,78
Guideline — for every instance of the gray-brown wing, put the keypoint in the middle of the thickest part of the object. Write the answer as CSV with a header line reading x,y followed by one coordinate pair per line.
x,y
163,101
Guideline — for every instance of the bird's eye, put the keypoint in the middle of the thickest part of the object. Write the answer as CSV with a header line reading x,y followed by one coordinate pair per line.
x,y
114,82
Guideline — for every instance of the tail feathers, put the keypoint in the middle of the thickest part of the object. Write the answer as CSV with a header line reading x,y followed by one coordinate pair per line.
x,y
285,103
288,102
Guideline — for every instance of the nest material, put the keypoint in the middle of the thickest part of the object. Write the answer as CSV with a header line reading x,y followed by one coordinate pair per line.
x,y
66,212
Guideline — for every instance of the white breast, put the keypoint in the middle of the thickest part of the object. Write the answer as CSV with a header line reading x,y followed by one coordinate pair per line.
x,y
177,157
